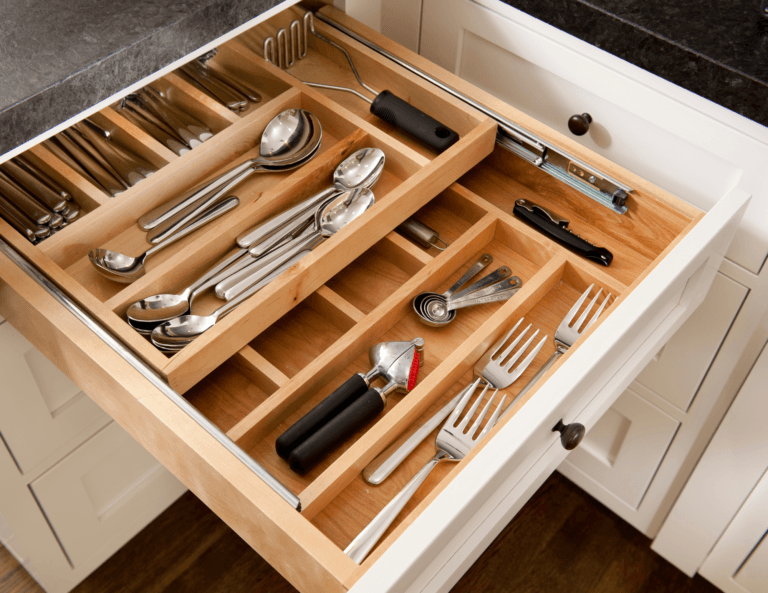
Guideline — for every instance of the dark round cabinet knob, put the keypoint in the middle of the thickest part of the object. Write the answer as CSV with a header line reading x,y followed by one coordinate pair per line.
x,y
570,434
579,124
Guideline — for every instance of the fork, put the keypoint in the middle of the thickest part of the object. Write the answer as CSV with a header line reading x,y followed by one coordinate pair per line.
x,y
452,444
566,335
496,367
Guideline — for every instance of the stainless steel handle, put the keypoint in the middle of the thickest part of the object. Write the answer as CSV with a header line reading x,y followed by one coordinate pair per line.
x,y
390,459
359,548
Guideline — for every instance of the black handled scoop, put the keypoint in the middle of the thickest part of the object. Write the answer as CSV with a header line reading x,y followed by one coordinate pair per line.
x,y
351,405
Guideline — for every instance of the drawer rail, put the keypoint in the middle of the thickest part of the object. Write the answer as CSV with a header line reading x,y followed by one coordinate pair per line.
x,y
127,354
600,187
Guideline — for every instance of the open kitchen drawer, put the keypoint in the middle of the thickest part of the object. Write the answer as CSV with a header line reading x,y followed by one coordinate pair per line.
x,y
285,349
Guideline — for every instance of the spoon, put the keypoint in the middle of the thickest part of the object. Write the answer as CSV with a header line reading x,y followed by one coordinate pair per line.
x,y
310,142
146,314
126,269
280,143
181,331
361,169
330,217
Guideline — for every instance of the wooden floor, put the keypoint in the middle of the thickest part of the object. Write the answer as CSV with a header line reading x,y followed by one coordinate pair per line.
x,y
562,540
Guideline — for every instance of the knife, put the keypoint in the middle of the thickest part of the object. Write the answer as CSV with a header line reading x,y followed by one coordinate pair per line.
x,y
556,227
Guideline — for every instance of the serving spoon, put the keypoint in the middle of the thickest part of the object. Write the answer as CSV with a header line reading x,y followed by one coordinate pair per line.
x,y
124,268
283,142
364,167
179,332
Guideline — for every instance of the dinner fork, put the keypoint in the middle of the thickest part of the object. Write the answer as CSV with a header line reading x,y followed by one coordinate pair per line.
x,y
452,444
566,335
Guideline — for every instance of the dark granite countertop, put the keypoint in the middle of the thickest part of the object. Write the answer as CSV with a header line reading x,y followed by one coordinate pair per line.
x,y
716,49
60,57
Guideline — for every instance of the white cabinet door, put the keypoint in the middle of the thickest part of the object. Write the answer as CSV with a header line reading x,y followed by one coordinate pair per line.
x,y
735,460
624,449
551,76
42,413
108,489
739,561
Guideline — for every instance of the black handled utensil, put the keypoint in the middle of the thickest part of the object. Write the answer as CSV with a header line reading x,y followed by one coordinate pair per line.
x,y
557,228
351,405
386,105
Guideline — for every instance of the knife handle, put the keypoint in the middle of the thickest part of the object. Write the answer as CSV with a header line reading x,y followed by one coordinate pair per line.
x,y
320,415
565,236
309,453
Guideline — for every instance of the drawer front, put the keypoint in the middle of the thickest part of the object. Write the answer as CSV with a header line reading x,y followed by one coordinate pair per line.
x,y
104,493
42,413
552,76
624,449
297,341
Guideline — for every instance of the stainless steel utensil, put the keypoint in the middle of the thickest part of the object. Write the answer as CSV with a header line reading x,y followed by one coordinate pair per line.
x,y
148,313
331,218
126,269
568,332
385,105
452,444
498,368
361,169
173,335
48,197
287,141
227,96
421,234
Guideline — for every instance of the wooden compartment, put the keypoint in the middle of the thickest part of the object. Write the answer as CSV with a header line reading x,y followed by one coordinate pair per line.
x,y
283,351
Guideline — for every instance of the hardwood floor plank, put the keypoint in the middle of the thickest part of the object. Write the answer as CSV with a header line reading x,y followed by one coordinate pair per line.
x,y
561,540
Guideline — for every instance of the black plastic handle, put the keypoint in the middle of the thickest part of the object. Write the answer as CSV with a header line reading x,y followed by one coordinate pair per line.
x,y
318,416
565,237
426,129
307,455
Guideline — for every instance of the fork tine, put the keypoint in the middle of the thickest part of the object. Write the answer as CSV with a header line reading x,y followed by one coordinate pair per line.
x,y
580,322
494,418
495,352
521,350
575,309
520,369
462,402
514,343
599,310
476,424
468,416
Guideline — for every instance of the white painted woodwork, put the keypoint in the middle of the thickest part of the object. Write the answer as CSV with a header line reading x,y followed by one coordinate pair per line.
x,y
640,121
677,370
739,561
103,493
42,413
733,463
624,449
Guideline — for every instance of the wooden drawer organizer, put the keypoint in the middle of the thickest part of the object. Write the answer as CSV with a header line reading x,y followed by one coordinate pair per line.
x,y
278,355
